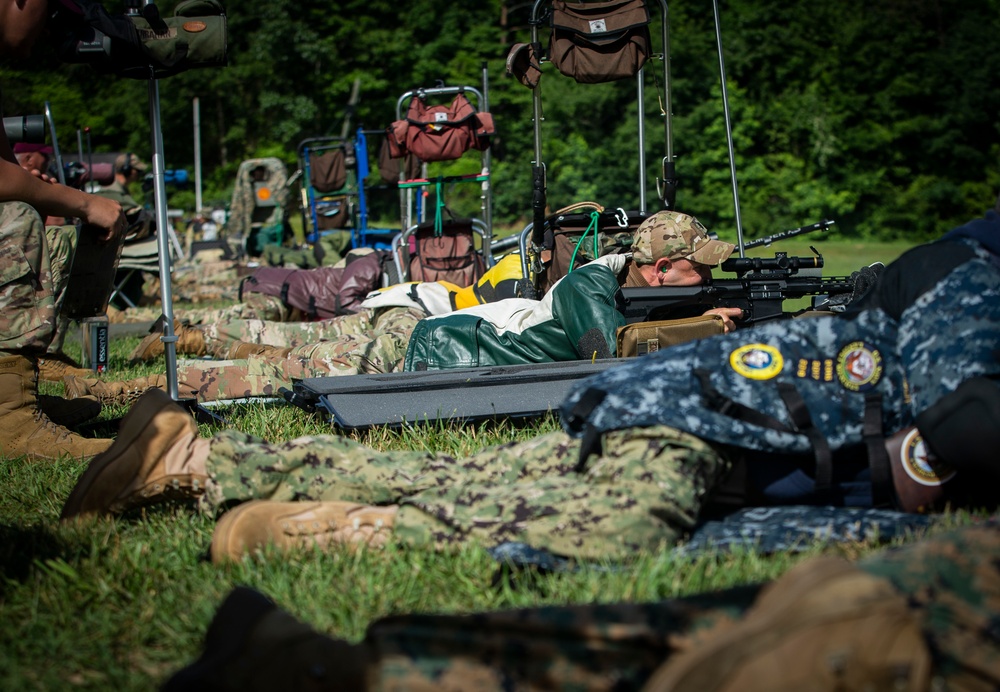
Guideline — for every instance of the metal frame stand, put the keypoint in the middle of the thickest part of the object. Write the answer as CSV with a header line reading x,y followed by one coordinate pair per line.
x,y
168,337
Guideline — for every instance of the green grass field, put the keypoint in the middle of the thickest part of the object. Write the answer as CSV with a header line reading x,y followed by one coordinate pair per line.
x,y
121,603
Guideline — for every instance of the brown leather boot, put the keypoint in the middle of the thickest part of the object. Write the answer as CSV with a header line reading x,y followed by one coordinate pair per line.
x,y
53,367
157,456
112,392
69,412
288,525
25,429
190,342
241,349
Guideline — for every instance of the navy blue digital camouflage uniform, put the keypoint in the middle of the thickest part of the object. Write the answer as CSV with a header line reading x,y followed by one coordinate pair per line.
x,y
658,454
932,323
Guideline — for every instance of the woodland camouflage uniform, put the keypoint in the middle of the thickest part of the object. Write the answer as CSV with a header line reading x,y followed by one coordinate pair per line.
x,y
947,587
644,491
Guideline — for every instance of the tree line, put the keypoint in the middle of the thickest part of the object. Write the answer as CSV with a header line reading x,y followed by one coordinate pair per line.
x,y
883,117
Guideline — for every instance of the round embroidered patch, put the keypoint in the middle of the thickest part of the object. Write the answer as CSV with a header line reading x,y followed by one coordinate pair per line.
x,y
859,367
757,361
920,464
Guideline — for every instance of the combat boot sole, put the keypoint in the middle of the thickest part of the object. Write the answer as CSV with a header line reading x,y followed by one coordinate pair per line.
x,y
126,475
289,525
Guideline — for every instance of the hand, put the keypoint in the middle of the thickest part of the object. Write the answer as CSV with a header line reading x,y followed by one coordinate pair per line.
x,y
44,177
727,315
108,215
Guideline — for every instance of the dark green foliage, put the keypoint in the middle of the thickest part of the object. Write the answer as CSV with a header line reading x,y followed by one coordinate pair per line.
x,y
883,117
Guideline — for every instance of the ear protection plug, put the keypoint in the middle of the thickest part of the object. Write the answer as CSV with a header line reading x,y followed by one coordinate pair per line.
x,y
664,269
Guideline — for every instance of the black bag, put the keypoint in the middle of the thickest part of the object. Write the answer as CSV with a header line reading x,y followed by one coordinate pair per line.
x,y
599,41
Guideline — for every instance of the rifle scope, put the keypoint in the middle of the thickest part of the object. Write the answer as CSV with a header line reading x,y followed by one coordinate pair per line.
x,y
29,129
780,262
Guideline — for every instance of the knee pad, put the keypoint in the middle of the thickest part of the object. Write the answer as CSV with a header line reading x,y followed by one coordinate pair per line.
x,y
963,428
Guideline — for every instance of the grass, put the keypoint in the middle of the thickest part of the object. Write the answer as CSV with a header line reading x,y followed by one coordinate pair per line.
x,y
120,603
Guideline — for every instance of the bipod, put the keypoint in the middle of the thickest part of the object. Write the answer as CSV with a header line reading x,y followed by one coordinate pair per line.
x,y
200,413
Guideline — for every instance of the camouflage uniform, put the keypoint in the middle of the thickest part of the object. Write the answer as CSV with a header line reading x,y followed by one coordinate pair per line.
x,y
28,287
119,193
207,281
952,582
913,346
254,306
372,342
62,246
643,491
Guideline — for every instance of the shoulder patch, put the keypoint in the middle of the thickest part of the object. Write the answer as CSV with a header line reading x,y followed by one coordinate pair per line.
x,y
920,464
859,366
757,361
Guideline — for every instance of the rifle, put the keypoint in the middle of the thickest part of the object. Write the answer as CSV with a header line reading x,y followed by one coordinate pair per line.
x,y
761,287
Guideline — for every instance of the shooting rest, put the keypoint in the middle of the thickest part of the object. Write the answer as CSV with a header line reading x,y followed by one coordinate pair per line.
x,y
467,395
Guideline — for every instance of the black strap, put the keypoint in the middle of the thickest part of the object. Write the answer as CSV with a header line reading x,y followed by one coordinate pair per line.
x,y
576,419
799,413
590,443
716,401
412,292
878,458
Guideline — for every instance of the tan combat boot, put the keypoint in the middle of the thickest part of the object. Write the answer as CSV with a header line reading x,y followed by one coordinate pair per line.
x,y
122,393
241,349
288,525
52,368
190,342
25,429
157,456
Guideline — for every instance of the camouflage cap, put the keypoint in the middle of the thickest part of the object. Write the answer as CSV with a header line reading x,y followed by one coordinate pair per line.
x,y
675,236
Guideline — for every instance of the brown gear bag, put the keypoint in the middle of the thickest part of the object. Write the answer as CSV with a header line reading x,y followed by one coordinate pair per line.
x,y
825,625
446,256
641,338
440,133
599,41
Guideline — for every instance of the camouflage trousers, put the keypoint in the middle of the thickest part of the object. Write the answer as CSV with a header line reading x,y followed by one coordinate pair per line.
x,y
28,290
951,580
221,333
378,347
207,281
62,247
255,306
644,490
